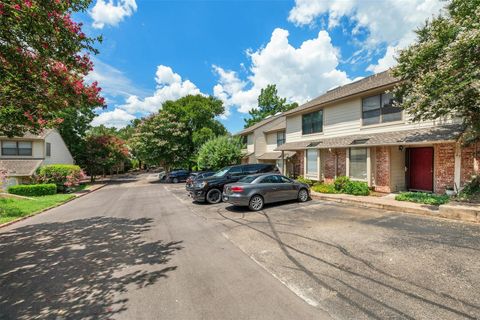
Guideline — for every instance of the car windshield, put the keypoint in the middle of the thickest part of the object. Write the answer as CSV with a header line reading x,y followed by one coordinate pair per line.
x,y
221,173
248,179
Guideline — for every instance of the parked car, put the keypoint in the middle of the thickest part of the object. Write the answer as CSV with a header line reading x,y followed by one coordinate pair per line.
x,y
210,189
255,191
177,176
162,175
197,175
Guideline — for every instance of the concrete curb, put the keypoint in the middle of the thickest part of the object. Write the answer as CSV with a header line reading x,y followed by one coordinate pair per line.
x,y
459,211
49,208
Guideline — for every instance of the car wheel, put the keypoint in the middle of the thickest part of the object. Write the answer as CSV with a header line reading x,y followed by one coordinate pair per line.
x,y
256,203
302,195
214,196
175,180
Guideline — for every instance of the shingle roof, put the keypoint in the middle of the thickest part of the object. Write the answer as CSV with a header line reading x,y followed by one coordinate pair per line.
x,y
372,82
32,136
278,127
259,124
19,168
436,134
276,155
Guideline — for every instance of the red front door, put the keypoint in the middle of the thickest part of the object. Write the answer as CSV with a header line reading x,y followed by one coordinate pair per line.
x,y
420,169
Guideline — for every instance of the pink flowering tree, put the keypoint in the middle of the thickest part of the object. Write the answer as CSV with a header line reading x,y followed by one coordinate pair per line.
x,y
44,58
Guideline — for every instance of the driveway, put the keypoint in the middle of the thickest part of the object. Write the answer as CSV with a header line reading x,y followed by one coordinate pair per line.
x,y
132,251
358,263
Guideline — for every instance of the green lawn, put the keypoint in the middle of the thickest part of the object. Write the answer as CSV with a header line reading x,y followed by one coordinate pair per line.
x,y
13,208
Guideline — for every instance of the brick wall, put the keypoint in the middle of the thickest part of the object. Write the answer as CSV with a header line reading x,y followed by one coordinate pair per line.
x,y
444,166
298,164
470,155
382,168
330,171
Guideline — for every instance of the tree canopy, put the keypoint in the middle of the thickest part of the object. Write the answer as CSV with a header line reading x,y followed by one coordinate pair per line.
x,y
160,140
269,104
219,152
44,57
440,73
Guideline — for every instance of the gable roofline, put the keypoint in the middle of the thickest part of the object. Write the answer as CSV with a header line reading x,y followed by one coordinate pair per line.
x,y
259,124
374,82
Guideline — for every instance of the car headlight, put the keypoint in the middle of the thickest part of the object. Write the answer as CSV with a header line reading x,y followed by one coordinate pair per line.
x,y
201,184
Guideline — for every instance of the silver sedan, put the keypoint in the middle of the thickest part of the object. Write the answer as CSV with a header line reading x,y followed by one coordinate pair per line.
x,y
256,190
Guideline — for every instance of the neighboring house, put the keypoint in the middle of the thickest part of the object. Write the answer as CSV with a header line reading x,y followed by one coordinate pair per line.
x,y
355,130
263,138
21,156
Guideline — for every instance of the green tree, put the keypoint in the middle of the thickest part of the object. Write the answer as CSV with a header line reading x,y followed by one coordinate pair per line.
x,y
105,153
74,128
440,72
220,152
197,114
160,140
44,57
269,104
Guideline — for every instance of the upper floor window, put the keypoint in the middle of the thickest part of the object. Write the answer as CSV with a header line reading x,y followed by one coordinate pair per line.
x,y
48,149
380,109
312,122
16,148
280,138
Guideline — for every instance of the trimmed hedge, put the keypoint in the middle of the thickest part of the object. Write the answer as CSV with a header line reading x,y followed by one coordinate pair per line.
x,y
356,188
324,188
301,179
33,190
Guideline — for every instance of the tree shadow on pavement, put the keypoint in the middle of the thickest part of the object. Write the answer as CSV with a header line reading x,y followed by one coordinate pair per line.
x,y
78,269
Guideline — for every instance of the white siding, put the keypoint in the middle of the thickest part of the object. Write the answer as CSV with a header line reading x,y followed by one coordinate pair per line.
x,y
271,141
397,169
250,145
345,118
59,151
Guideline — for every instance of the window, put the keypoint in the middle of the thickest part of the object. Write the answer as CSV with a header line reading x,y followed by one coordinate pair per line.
x,y
312,167
280,138
358,163
269,179
16,148
235,171
285,179
380,109
312,122
49,149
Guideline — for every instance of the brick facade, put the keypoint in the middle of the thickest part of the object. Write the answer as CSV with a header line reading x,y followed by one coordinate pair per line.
x,y
382,169
298,164
335,164
470,162
444,166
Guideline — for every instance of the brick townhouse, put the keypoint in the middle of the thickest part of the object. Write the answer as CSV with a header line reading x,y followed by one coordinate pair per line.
x,y
355,130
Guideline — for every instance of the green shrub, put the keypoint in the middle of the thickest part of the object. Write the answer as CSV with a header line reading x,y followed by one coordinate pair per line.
x,y
357,188
33,190
305,180
471,191
63,175
340,183
324,188
422,197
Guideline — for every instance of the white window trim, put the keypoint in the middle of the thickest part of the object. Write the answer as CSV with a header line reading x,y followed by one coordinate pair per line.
x,y
305,169
369,167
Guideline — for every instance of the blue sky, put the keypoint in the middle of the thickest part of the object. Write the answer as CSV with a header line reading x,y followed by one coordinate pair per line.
x,y
158,50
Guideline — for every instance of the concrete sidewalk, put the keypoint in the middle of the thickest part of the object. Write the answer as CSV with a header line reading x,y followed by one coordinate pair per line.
x,y
464,212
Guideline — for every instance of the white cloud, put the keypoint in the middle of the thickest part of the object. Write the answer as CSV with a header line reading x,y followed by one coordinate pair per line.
x,y
117,118
111,12
390,22
300,73
170,86
113,82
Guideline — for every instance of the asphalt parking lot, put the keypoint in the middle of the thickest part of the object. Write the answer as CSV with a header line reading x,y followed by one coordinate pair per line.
x,y
358,263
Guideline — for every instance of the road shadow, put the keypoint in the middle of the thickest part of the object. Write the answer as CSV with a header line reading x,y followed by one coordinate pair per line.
x,y
77,269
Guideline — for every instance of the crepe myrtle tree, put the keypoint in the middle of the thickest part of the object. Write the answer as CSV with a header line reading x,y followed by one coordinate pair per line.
x,y
104,153
219,152
440,73
44,57
161,139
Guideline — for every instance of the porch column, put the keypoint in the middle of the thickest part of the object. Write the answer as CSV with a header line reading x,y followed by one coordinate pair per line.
x,y
369,168
283,163
458,167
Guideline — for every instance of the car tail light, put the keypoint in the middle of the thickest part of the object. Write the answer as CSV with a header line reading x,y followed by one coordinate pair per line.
x,y
236,189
